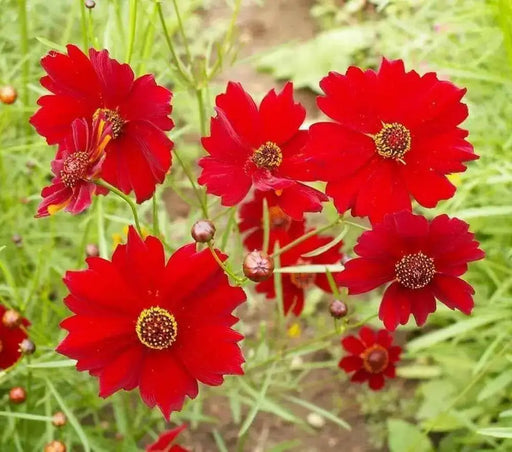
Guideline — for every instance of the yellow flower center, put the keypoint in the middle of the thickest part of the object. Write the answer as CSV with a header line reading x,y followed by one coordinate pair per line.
x,y
156,328
393,141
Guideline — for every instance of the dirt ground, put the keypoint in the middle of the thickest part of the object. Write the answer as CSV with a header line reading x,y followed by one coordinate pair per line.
x,y
261,27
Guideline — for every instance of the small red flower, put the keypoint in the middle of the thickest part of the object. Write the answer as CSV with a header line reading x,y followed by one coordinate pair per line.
x,y
162,327
76,167
165,441
395,137
296,284
261,147
423,261
371,355
138,110
10,340
281,225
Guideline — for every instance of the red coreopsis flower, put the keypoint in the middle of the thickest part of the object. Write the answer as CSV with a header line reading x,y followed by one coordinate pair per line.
x,y
165,441
139,155
295,285
371,357
395,137
76,167
281,225
11,337
261,148
162,327
423,261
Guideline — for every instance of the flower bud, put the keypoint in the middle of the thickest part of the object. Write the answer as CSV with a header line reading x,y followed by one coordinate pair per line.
x,y
55,446
258,266
59,419
8,94
338,309
17,395
17,239
27,347
92,250
90,4
11,319
203,231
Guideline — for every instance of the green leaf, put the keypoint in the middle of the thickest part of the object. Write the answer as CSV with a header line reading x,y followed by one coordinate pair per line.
x,y
329,245
320,411
53,364
418,371
28,416
496,385
313,268
496,432
405,437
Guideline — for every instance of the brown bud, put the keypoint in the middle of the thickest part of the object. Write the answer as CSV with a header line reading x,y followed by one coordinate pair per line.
x,y
17,395
17,239
30,164
338,309
90,4
203,231
11,319
258,266
55,446
92,250
59,419
27,347
8,94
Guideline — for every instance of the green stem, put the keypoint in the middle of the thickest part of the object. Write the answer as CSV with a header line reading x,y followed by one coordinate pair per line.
x,y
202,114
83,23
182,31
306,236
24,48
133,27
200,198
156,221
168,39
226,270
125,198
102,243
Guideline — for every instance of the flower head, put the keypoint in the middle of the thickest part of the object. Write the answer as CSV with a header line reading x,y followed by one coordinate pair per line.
x,y
371,357
259,147
281,225
11,336
165,442
162,327
423,261
395,136
295,285
139,155
76,167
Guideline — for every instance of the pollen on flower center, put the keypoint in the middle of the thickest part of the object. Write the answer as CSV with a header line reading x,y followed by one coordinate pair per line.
x,y
277,218
375,359
393,141
156,328
415,271
74,168
302,280
268,156
113,118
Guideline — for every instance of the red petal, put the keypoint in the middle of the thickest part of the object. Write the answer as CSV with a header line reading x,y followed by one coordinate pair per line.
x,y
423,303
362,275
428,187
360,376
376,382
165,440
351,363
454,293
367,336
395,307
353,345
122,372
299,198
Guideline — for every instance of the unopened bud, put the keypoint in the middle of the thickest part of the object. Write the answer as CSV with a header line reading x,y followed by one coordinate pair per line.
x,y
59,419
90,4
8,94
17,239
338,309
55,446
203,231
11,319
92,250
258,266
27,347
17,395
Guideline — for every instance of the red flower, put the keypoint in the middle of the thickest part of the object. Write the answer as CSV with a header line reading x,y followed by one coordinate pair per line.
x,y
296,284
164,443
372,357
422,259
141,322
76,167
281,225
395,137
261,147
138,110
10,340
